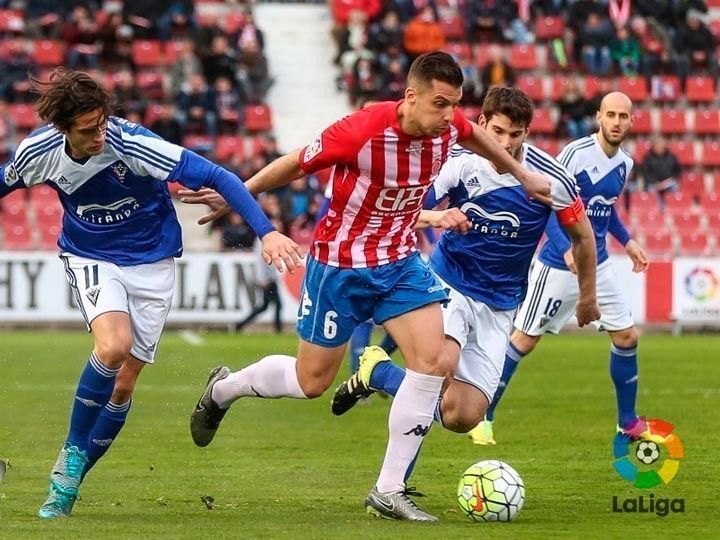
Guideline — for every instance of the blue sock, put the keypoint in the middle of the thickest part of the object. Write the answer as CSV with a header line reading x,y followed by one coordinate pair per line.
x,y
387,377
358,341
93,392
624,374
388,344
108,425
512,359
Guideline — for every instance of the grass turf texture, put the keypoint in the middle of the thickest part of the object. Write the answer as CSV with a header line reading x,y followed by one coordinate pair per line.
x,y
289,469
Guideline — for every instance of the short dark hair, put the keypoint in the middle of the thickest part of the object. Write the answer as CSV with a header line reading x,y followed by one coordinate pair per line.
x,y
69,94
435,66
511,102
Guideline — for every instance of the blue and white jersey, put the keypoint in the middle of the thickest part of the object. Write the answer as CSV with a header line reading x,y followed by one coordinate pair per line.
x,y
601,180
490,263
117,203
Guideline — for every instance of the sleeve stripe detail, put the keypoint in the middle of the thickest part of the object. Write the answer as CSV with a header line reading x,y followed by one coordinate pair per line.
x,y
143,156
151,155
148,148
571,193
569,151
553,164
34,142
34,150
546,167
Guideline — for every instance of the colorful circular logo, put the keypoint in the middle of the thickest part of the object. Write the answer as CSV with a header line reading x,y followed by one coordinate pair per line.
x,y
701,284
639,461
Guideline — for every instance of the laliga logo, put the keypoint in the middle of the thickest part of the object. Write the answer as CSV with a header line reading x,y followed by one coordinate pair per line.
x,y
502,223
701,284
639,462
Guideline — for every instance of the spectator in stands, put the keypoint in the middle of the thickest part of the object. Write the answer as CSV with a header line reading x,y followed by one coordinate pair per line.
x,y
185,66
682,7
228,105
366,81
8,132
594,38
15,65
394,82
407,9
269,148
573,111
393,52
177,20
423,34
605,86
80,34
196,108
142,16
205,33
299,202
348,13
236,233
249,32
660,169
107,34
386,33
486,19
166,124
44,18
625,52
655,44
348,60
695,45
253,72
127,94
220,62
661,11
497,72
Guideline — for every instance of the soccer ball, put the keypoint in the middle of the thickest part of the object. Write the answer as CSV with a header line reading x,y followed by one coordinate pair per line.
x,y
491,490
647,452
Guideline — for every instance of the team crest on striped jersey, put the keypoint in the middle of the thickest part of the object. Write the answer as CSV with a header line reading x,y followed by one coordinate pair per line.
x,y
120,170
11,175
415,147
314,149
436,166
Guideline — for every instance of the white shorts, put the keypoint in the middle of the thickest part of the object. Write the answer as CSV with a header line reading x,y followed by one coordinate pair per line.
x,y
482,333
553,294
143,291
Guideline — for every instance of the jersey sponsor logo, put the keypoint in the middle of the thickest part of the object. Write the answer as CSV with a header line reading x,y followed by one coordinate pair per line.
x,y
600,206
415,147
314,149
11,174
120,170
108,213
500,223
405,199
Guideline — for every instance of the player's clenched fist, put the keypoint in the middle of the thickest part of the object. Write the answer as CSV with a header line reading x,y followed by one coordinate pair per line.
x,y
278,249
451,219
587,312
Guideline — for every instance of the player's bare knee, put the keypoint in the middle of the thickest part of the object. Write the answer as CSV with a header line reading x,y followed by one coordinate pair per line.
x,y
113,353
314,386
626,339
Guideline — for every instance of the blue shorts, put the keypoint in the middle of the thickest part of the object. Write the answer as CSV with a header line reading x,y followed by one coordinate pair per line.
x,y
335,300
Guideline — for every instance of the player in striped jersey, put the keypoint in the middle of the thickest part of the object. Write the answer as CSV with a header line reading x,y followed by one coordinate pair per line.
x,y
119,237
485,270
364,263
601,168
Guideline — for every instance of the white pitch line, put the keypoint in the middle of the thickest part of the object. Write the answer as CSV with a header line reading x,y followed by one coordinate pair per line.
x,y
192,338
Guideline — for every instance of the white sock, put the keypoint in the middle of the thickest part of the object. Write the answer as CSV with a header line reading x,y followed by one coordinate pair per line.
x,y
271,377
411,416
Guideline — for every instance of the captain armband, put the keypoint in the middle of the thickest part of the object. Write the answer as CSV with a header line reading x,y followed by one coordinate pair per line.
x,y
572,214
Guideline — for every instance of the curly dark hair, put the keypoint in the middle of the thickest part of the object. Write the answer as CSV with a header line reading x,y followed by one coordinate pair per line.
x,y
69,94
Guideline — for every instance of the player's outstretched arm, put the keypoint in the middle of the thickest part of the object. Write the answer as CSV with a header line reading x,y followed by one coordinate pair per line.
x,y
536,185
584,254
450,219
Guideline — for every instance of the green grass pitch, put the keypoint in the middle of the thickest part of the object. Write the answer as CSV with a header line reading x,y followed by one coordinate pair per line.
x,y
289,469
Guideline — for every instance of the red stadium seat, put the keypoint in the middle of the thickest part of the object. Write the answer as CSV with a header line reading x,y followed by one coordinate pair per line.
x,y
557,85
523,56
151,83
658,244
48,215
258,118
643,122
684,151
614,246
198,143
481,52
635,88
715,28
644,201
172,51
453,27
17,236
234,22
153,112
532,86
687,222
9,20
678,202
666,88
460,50
42,195
692,183
707,122
551,146
672,122
543,122
700,89
24,115
694,243
591,86
148,53
710,154
49,236
710,202
713,222
547,28
49,52
640,150
229,146
648,219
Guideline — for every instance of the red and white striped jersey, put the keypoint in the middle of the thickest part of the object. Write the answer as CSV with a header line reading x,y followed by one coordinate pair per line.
x,y
380,179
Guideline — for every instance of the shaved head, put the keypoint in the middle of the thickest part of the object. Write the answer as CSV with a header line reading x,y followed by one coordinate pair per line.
x,y
616,101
